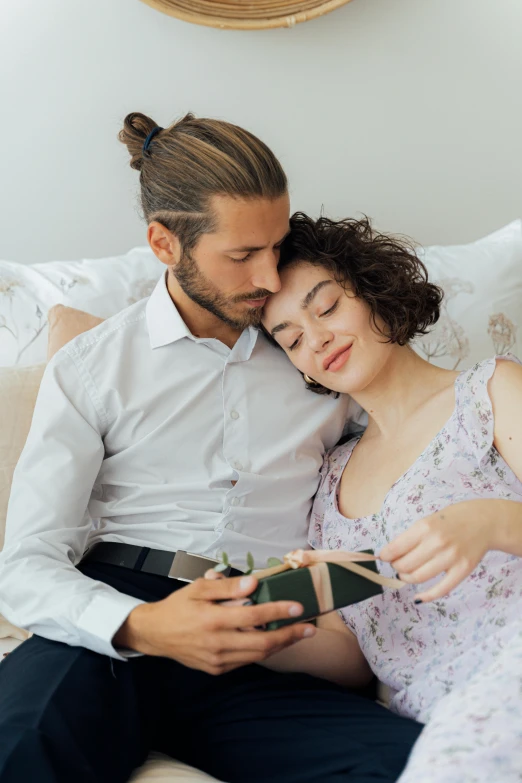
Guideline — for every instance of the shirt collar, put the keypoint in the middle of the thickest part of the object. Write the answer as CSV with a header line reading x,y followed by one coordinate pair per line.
x,y
166,325
164,322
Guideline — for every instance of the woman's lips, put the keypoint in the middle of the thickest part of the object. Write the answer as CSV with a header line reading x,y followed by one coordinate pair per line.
x,y
340,360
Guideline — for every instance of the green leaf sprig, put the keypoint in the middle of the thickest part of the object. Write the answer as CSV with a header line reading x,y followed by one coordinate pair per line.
x,y
225,563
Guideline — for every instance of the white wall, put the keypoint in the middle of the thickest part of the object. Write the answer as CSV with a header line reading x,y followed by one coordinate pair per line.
x,y
408,110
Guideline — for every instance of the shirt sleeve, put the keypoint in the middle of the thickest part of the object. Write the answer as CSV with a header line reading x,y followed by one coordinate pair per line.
x,y
48,523
356,420
320,505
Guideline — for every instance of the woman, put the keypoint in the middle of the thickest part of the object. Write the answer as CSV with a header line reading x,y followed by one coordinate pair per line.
x,y
449,644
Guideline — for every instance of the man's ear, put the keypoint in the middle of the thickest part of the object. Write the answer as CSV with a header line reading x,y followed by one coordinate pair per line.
x,y
164,244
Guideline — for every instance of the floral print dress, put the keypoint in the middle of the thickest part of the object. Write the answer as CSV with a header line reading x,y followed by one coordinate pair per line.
x,y
455,663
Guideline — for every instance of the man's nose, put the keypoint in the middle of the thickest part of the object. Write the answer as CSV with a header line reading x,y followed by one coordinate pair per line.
x,y
266,276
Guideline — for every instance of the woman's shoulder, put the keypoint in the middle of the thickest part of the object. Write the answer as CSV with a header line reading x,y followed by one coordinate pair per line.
x,y
506,377
504,369
486,388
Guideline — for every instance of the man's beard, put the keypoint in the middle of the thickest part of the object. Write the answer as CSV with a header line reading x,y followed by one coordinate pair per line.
x,y
195,285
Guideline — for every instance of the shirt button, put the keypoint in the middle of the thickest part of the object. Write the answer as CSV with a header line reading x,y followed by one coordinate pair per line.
x,y
234,415
238,465
229,526
234,502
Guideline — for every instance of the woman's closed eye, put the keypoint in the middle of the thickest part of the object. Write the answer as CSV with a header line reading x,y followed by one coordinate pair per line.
x,y
330,310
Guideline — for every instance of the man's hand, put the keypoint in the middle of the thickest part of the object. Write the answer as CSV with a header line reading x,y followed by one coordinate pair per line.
x,y
453,540
191,628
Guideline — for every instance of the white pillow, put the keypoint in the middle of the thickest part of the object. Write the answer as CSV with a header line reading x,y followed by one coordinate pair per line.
x,y
482,307
102,286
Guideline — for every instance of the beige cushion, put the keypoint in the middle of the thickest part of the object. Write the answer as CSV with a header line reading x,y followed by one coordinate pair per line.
x,y
18,390
65,323
163,769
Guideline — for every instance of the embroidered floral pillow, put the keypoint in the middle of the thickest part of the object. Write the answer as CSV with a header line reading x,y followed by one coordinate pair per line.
x,y
101,286
482,308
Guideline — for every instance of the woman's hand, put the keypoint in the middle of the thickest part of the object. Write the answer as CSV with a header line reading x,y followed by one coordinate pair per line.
x,y
453,540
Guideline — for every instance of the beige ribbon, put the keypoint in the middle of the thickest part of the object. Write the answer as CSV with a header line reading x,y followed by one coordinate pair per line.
x,y
300,558
323,587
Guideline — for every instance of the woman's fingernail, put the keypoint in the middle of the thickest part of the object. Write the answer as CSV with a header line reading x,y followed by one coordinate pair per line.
x,y
308,631
417,601
246,582
295,610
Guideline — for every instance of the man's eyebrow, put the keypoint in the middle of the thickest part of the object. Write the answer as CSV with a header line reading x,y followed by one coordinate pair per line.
x,y
251,248
307,301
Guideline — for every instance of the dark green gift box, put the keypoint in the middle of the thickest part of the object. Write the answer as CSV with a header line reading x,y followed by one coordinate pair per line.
x,y
297,585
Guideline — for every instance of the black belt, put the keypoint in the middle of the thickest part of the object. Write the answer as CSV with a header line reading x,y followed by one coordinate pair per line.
x,y
177,565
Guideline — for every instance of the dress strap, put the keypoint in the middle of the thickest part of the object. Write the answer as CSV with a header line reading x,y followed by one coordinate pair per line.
x,y
331,472
473,403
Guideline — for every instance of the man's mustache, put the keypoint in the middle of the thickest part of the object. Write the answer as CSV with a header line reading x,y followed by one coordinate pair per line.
x,y
261,293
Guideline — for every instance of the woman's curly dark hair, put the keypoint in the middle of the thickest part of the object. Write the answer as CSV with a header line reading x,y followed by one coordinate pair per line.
x,y
382,270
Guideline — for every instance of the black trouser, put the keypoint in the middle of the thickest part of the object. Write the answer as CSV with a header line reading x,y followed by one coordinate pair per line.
x,y
69,715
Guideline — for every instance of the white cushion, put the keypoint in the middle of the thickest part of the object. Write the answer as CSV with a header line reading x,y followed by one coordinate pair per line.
x,y
102,287
482,308
480,314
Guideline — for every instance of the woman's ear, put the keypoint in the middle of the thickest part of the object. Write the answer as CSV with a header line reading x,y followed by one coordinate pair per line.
x,y
164,244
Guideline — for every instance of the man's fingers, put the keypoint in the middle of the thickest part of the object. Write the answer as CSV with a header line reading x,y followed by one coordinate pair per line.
x,y
232,648
234,659
211,574
263,643
222,589
261,614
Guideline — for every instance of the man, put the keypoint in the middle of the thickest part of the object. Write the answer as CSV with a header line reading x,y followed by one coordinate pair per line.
x,y
176,427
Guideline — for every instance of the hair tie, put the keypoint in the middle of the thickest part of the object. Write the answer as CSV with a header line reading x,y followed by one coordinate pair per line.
x,y
149,138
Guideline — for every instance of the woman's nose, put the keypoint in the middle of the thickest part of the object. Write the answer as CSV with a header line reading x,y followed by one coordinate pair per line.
x,y
320,340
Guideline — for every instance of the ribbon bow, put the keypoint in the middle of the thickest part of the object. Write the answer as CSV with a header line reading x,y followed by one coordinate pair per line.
x,y
302,558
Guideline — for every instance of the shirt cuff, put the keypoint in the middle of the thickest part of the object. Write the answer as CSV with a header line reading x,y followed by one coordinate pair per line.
x,y
101,620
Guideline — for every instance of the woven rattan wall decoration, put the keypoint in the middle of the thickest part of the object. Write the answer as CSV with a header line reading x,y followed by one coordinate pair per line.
x,y
246,14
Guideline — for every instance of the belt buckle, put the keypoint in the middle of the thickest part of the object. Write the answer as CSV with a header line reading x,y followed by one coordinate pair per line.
x,y
187,567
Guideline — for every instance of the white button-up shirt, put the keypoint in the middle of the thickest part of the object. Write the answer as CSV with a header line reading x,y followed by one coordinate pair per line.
x,y
139,432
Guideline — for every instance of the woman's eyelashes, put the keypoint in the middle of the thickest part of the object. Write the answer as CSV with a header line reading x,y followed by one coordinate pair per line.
x,y
330,310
